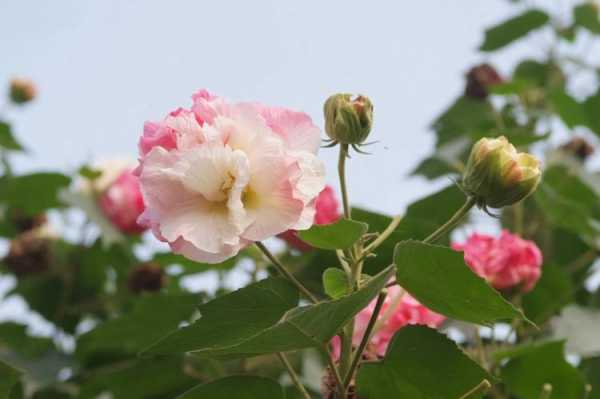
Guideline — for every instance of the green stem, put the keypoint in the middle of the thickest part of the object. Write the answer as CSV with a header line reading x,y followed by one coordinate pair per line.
x,y
334,370
285,272
479,389
293,375
342,175
365,340
382,237
453,221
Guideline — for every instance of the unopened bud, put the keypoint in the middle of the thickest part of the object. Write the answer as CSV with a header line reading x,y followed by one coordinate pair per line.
x,y
578,147
22,91
29,254
479,79
497,175
147,277
348,119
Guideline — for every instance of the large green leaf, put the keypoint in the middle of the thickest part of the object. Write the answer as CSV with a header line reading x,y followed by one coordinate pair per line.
x,y
591,368
33,193
527,372
152,317
553,291
420,363
255,320
569,109
586,16
9,376
7,139
237,387
464,116
438,277
14,336
591,106
513,29
339,235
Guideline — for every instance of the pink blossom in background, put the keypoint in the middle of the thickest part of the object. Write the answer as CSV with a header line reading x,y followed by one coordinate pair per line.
x,y
122,203
328,211
507,261
222,175
399,309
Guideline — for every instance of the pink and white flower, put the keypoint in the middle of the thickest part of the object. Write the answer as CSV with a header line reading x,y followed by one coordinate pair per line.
x,y
122,203
223,175
327,211
399,309
507,261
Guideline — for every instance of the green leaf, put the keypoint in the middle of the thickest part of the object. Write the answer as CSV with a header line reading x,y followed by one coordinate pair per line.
x,y
513,29
189,266
591,368
586,16
420,363
568,202
335,283
438,278
553,291
465,115
9,376
14,336
591,106
526,373
152,317
257,320
7,139
33,193
138,379
236,387
570,110
339,235
421,218
89,172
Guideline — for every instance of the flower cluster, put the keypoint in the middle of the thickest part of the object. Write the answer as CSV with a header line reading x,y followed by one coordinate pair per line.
x,y
506,262
222,175
327,211
399,309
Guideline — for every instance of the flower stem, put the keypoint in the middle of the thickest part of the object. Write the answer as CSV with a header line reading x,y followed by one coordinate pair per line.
x,y
382,237
293,375
433,237
279,266
479,389
342,175
365,339
334,370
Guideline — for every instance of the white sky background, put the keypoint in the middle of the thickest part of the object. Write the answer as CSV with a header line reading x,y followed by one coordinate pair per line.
x,y
104,67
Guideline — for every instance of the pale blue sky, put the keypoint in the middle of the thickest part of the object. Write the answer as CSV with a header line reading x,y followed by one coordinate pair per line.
x,y
103,67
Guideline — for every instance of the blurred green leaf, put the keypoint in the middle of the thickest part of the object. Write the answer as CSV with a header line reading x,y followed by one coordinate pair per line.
x,y
7,139
570,110
257,320
33,193
9,376
335,282
339,235
586,16
138,379
591,368
513,29
438,278
236,387
465,115
89,173
152,317
420,363
526,373
14,336
553,291
591,106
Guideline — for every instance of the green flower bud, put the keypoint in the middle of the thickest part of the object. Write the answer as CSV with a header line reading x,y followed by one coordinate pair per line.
x,y
348,120
497,175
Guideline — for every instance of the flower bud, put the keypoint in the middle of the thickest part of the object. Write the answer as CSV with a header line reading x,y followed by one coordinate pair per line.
x,y
29,254
147,277
578,147
497,175
348,120
479,79
22,91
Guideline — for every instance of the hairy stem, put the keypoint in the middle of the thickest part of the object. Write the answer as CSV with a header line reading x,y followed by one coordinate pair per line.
x,y
453,221
286,272
342,175
295,379
479,389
